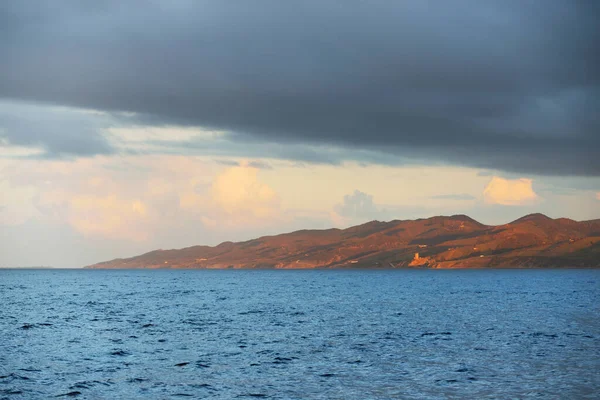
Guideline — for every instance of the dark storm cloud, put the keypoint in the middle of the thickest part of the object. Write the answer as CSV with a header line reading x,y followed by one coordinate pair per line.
x,y
502,84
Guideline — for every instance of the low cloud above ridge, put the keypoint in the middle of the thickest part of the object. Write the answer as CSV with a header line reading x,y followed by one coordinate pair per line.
x,y
510,192
358,205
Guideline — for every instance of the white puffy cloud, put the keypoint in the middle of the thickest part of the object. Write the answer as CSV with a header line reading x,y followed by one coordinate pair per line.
x,y
140,198
510,192
238,189
355,208
357,205
240,199
130,198
110,216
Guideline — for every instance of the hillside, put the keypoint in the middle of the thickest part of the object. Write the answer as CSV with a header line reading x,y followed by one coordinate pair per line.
x,y
533,241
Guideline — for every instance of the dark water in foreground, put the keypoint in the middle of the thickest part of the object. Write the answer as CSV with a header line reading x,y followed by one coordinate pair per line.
x,y
299,334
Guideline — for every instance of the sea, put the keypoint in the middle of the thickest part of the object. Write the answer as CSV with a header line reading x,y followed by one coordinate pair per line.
x,y
299,334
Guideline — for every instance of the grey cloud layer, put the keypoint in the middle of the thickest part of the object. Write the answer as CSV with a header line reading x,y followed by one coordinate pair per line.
x,y
502,84
57,131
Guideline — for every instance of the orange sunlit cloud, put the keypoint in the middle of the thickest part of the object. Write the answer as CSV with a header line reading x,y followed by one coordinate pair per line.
x,y
509,192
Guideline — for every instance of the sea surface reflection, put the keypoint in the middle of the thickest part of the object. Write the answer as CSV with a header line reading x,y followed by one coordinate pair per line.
x,y
299,334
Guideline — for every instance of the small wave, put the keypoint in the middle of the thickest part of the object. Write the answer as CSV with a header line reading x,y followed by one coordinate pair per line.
x,y
136,380
251,312
11,391
120,353
542,334
69,394
182,364
435,334
13,376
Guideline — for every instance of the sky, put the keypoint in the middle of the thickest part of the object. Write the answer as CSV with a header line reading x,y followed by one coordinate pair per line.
x,y
132,126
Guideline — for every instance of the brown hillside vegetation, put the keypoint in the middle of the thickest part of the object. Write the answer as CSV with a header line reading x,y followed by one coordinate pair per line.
x,y
534,241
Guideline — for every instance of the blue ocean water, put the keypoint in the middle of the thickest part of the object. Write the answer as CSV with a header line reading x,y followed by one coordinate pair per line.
x,y
107,334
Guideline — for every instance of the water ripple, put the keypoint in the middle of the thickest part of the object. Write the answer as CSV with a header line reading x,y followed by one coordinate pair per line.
x,y
299,334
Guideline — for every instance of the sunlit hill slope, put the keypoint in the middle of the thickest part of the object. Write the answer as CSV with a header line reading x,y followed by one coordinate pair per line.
x,y
534,241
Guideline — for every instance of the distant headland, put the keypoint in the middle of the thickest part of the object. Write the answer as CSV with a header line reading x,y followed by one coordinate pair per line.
x,y
458,241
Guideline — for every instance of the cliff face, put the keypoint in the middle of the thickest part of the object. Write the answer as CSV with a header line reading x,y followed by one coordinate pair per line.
x,y
534,241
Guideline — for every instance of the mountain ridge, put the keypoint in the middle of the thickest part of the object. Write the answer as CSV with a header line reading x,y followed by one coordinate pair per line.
x,y
457,241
